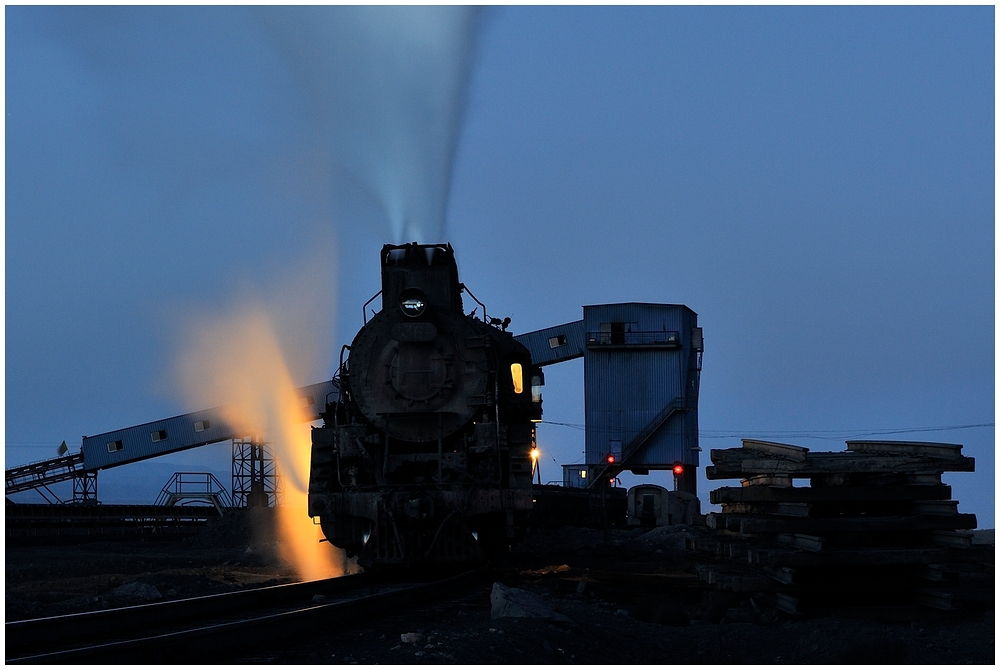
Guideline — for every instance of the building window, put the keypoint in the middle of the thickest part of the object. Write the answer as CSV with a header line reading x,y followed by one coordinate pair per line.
x,y
617,333
117,445
200,426
615,449
557,341
158,435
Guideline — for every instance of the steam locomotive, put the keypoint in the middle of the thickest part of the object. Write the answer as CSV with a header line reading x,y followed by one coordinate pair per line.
x,y
425,457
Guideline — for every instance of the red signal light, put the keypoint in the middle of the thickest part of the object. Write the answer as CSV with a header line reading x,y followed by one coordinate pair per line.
x,y
678,469
611,458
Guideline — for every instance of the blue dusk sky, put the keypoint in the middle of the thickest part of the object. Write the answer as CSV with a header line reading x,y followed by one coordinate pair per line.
x,y
817,183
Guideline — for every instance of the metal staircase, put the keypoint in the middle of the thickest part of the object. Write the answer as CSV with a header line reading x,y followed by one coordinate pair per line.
x,y
193,487
635,445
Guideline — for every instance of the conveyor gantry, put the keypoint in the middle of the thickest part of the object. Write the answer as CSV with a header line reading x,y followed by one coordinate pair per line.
x,y
43,473
147,440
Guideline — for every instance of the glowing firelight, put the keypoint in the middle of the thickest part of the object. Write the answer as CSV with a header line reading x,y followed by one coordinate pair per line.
x,y
238,359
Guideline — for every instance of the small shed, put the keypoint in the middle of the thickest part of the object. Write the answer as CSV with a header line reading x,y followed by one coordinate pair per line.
x,y
652,505
575,476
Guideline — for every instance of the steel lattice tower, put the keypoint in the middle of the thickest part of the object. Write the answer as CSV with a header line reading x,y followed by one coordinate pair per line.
x,y
256,482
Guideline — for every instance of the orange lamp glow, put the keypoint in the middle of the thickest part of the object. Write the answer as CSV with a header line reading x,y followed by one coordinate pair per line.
x,y
516,376
678,469
611,458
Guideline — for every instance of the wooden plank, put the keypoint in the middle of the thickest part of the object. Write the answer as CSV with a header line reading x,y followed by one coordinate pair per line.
x,y
924,480
862,556
788,451
817,464
814,494
941,507
953,538
781,575
780,481
864,524
794,509
750,583
802,541
932,573
935,449
782,601
705,544
737,582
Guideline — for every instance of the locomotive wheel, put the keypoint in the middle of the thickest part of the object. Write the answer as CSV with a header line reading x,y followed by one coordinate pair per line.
x,y
345,532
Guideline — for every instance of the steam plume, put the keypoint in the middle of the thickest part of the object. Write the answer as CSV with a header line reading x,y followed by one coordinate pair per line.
x,y
244,360
386,87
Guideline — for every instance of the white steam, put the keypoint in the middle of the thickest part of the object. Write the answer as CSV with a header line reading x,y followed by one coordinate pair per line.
x,y
386,86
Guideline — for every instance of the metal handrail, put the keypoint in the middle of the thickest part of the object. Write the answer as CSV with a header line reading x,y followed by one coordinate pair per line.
x,y
636,337
364,308
209,485
465,288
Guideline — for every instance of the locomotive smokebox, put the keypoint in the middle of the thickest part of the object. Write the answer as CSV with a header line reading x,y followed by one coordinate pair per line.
x,y
416,368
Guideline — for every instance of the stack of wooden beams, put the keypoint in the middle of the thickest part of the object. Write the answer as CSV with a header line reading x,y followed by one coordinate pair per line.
x,y
875,526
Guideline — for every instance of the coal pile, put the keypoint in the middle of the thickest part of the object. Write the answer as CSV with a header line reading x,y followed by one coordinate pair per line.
x,y
875,529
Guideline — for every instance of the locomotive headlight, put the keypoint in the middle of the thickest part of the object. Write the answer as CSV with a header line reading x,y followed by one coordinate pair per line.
x,y
517,377
411,301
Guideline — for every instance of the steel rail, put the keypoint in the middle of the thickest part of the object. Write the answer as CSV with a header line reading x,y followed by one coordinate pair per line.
x,y
31,633
34,634
202,631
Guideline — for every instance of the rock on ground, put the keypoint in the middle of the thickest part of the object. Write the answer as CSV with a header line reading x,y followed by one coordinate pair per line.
x,y
137,591
507,601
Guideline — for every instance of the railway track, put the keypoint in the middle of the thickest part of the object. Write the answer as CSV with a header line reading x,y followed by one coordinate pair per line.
x,y
203,629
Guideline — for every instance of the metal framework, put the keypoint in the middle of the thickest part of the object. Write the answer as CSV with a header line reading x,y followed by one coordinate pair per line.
x,y
185,487
85,488
41,475
256,482
44,473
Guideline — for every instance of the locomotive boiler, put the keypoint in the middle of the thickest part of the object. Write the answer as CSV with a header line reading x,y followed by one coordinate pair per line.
x,y
425,456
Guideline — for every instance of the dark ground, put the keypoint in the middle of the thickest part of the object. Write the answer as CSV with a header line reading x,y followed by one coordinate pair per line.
x,y
665,617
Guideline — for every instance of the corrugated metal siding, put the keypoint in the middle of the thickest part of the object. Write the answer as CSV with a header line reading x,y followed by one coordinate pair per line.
x,y
542,351
137,441
627,387
649,316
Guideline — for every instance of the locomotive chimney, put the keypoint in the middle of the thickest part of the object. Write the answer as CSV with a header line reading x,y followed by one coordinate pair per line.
x,y
422,273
